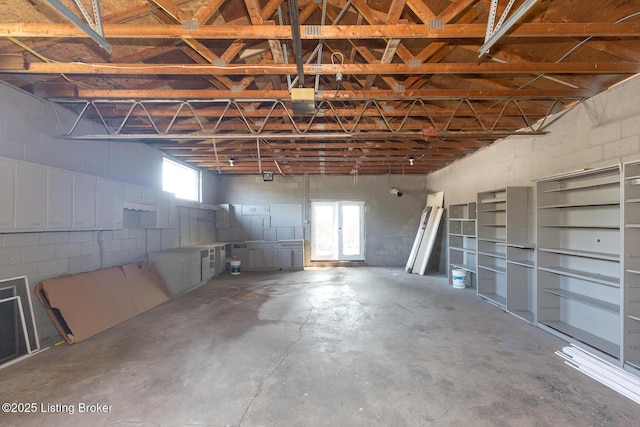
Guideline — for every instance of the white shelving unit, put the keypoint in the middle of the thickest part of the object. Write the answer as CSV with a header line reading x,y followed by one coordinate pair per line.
x,y
505,252
462,240
578,262
631,277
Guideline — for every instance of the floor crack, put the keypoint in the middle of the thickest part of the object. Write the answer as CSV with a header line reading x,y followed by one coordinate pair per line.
x,y
277,366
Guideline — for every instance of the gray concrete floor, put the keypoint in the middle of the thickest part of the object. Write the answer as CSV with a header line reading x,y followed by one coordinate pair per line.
x,y
321,347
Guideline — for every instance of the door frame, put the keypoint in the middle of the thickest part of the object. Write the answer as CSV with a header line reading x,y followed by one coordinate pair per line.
x,y
338,248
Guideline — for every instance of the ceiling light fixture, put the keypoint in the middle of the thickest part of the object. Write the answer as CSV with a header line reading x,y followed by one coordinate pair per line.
x,y
411,159
231,160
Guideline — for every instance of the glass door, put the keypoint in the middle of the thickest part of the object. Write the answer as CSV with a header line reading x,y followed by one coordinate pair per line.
x,y
337,231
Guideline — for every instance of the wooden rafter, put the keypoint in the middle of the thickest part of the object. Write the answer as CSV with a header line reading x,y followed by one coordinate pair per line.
x,y
326,32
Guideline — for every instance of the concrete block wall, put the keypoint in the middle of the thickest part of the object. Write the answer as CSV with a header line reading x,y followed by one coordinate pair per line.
x,y
390,222
601,131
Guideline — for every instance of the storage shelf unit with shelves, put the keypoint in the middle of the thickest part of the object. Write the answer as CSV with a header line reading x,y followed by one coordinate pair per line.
x,y
578,261
505,253
462,241
631,268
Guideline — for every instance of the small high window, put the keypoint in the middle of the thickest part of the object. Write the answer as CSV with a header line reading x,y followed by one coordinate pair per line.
x,y
181,180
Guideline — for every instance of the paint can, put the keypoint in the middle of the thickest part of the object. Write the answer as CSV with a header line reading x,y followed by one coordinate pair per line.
x,y
459,278
235,266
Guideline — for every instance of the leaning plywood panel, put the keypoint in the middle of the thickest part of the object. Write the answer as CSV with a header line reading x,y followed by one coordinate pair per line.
x,y
86,304
424,219
425,238
424,253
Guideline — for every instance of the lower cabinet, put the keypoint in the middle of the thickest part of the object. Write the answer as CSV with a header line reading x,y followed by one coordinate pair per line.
x,y
180,269
275,255
292,255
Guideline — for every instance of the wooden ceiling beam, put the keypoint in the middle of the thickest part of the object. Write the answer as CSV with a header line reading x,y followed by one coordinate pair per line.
x,y
395,10
351,95
330,69
325,32
178,15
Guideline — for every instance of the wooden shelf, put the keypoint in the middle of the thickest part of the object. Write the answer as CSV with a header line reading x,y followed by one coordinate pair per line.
x,y
606,181
493,210
522,262
594,302
469,268
521,245
582,254
524,315
581,205
494,268
585,337
492,240
492,254
587,227
498,299
583,275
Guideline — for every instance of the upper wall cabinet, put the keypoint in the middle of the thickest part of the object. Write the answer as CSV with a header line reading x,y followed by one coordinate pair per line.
x,y
40,198
59,199
84,201
109,204
164,215
31,211
7,194
141,198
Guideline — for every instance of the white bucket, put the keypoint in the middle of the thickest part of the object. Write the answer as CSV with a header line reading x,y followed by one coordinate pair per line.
x,y
459,278
235,266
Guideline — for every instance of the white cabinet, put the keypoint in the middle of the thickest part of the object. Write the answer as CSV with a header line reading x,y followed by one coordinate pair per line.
x,y
7,194
292,255
462,240
31,196
505,250
220,259
578,261
631,308
140,194
181,269
109,204
223,216
264,255
164,215
84,201
59,199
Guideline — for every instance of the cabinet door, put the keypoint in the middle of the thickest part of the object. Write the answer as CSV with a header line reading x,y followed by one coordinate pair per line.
x,y
162,212
133,193
31,197
59,199
84,201
256,258
109,204
297,259
149,195
286,259
271,257
223,219
7,194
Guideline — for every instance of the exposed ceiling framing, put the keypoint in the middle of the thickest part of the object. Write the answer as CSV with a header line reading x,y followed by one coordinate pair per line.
x,y
207,81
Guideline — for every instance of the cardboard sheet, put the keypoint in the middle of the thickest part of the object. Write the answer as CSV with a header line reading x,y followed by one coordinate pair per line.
x,y
83,305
